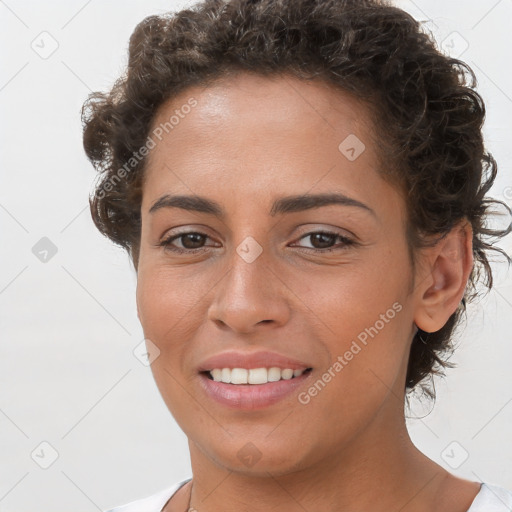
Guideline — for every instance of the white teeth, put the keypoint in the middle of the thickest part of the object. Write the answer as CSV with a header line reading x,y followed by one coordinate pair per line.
x,y
239,376
226,375
216,375
253,375
287,374
274,374
257,376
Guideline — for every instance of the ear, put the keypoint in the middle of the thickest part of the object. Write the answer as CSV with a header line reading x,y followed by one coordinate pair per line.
x,y
444,277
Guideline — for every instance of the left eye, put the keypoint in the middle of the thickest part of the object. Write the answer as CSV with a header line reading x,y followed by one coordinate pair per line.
x,y
192,241
325,239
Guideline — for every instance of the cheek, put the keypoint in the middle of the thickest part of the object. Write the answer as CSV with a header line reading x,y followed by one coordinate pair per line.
x,y
173,306
352,299
368,353
160,308
167,306
167,299
366,322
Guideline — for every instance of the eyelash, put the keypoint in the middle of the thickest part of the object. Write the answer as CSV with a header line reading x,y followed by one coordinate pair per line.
x,y
166,243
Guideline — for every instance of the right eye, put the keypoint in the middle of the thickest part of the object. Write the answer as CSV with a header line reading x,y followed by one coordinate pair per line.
x,y
190,241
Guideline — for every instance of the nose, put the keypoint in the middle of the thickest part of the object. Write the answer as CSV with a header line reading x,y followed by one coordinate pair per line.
x,y
250,297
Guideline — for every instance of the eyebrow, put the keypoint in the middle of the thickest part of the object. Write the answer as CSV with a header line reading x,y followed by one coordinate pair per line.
x,y
282,205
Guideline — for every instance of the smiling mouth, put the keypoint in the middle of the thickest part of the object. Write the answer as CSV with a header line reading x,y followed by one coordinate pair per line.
x,y
253,376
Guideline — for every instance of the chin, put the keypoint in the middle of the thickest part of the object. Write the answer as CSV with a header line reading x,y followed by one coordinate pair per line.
x,y
257,456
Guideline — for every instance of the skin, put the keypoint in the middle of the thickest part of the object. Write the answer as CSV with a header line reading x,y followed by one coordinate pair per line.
x,y
248,141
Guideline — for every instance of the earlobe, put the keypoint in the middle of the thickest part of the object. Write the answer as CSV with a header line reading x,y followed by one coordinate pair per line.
x,y
449,265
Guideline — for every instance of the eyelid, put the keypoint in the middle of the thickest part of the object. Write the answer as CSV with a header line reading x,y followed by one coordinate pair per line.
x,y
319,228
184,230
202,229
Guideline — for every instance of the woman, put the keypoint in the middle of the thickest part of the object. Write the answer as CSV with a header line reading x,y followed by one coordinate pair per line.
x,y
301,188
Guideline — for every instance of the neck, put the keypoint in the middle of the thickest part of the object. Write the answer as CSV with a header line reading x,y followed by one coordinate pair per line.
x,y
379,469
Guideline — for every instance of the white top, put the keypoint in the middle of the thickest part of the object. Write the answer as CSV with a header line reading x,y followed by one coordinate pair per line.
x,y
491,498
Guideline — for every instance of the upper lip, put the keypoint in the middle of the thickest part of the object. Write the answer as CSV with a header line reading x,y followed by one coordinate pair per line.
x,y
265,359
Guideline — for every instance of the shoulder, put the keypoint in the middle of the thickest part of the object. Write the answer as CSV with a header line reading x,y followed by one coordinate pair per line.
x,y
492,498
153,503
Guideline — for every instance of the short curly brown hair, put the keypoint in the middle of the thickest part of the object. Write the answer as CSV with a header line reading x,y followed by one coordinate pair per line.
x,y
427,114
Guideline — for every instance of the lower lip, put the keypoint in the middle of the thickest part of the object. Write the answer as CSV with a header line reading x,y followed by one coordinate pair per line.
x,y
251,396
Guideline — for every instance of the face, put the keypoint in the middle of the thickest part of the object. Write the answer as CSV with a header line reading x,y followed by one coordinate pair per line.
x,y
322,283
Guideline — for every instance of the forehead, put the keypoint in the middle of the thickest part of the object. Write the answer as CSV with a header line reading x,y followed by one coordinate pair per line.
x,y
249,130
261,106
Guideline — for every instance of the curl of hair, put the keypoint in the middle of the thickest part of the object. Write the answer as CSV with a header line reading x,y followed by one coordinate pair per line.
x,y
427,116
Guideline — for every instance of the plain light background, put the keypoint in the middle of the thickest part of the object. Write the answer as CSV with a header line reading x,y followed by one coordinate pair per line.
x,y
71,386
